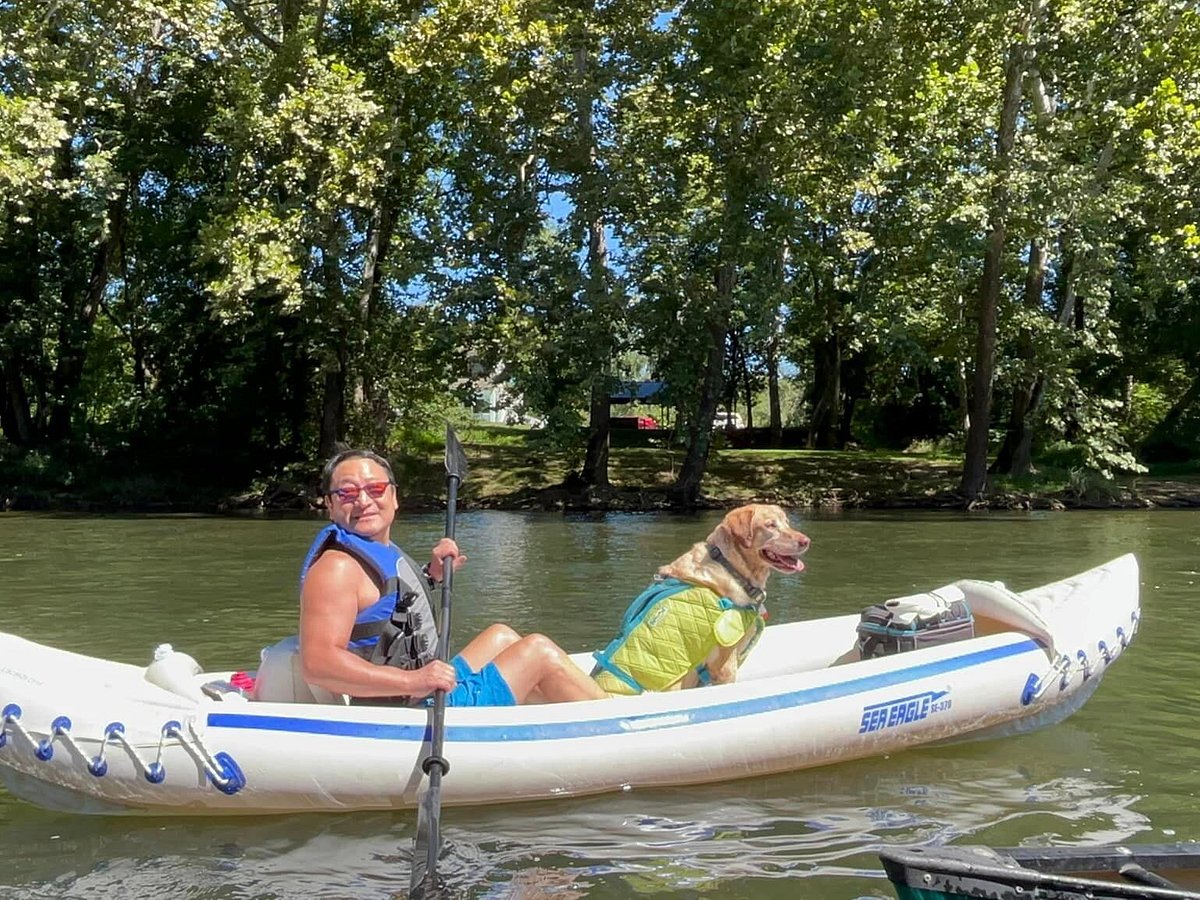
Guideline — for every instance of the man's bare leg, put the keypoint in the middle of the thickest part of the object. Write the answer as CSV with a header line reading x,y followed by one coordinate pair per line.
x,y
487,645
539,671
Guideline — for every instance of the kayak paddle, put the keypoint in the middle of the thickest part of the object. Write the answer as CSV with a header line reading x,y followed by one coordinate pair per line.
x,y
425,882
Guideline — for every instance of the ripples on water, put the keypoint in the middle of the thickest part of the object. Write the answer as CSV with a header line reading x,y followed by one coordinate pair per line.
x,y
807,834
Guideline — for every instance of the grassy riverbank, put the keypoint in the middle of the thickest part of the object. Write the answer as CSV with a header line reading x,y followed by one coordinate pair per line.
x,y
512,468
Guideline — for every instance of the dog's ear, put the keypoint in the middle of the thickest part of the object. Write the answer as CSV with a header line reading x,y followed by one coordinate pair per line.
x,y
740,525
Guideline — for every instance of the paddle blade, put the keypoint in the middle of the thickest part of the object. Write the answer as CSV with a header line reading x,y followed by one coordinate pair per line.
x,y
456,457
424,883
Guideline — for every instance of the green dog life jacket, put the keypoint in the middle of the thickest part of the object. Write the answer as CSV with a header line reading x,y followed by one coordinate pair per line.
x,y
667,632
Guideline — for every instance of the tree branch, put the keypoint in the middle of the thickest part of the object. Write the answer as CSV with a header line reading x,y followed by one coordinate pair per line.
x,y
251,26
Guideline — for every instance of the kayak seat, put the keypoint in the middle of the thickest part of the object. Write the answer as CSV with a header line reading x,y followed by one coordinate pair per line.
x,y
280,679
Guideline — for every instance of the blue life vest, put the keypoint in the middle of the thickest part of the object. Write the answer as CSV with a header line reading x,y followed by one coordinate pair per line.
x,y
399,628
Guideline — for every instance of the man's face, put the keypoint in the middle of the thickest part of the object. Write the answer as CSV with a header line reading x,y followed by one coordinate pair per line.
x,y
367,516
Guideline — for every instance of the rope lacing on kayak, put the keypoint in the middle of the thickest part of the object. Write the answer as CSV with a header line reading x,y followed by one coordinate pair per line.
x,y
221,769
1064,666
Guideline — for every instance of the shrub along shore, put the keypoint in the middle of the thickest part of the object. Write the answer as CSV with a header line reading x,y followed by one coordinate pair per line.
x,y
517,477
510,470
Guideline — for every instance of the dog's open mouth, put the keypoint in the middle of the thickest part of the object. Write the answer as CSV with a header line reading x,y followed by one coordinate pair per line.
x,y
782,563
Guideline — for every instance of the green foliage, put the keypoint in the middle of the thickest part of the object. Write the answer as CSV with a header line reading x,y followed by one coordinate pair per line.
x,y
1149,405
1175,438
1087,485
420,429
1175,469
1062,455
561,434
32,472
232,235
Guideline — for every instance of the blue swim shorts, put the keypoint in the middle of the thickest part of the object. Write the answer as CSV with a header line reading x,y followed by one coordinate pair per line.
x,y
486,687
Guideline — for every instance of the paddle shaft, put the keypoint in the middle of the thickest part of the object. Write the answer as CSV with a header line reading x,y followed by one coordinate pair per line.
x,y
435,764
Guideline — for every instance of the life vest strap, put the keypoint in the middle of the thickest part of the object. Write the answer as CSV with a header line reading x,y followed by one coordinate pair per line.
x,y
603,662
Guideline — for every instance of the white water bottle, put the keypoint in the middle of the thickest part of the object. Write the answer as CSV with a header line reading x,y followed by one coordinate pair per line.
x,y
175,672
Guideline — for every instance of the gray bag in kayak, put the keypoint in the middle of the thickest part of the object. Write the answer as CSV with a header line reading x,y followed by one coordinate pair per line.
x,y
910,623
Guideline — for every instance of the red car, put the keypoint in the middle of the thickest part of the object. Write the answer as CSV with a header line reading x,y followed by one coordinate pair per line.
x,y
641,423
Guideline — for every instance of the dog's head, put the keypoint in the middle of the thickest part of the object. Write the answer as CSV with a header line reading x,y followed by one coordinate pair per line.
x,y
761,534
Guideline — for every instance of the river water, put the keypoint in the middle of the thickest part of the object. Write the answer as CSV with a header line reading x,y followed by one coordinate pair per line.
x,y
1125,768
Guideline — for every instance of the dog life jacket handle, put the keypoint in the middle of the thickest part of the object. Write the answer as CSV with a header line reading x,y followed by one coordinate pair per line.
x,y
754,592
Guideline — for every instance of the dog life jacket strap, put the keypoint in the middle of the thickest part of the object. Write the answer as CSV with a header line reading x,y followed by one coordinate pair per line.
x,y
605,663
753,591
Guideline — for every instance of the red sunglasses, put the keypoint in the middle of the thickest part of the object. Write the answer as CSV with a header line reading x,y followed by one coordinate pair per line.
x,y
349,494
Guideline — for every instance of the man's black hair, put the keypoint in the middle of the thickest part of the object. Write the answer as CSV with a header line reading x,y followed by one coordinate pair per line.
x,y
338,458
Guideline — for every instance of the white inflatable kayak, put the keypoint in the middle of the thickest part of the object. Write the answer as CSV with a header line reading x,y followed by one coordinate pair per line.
x,y
95,736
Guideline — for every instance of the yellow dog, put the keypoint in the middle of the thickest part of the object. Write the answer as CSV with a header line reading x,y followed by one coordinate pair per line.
x,y
704,611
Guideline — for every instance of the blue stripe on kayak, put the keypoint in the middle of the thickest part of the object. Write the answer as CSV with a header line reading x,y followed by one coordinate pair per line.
x,y
549,731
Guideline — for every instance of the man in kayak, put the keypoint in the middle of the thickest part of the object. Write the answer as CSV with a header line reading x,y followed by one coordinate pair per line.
x,y
366,622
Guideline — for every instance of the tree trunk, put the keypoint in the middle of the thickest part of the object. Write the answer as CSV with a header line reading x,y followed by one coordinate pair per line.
x,y
733,363
79,318
597,281
975,464
827,393
14,410
333,410
974,480
1165,430
1066,307
289,15
299,391
24,282
854,387
365,392
776,424
826,396
686,490
1012,459
336,378
595,463
964,395
748,389
1022,461
772,349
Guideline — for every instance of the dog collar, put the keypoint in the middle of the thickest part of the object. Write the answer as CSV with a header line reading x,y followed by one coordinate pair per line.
x,y
753,591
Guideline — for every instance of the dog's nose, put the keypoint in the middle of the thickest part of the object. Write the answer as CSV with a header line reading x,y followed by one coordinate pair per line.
x,y
803,540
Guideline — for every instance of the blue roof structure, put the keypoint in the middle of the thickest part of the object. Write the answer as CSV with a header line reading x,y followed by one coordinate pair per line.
x,y
637,390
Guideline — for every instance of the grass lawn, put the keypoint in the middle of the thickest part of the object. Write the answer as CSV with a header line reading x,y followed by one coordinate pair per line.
x,y
509,468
